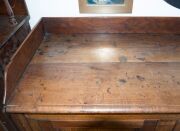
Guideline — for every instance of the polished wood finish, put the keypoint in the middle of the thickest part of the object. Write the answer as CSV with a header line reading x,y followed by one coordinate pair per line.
x,y
90,76
113,25
96,77
98,48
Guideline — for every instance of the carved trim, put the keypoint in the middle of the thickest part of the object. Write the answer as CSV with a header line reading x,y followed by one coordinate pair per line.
x,y
10,12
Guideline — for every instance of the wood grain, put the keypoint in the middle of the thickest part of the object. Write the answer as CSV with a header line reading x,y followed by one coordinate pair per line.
x,y
75,70
94,48
113,25
98,88
98,117
75,122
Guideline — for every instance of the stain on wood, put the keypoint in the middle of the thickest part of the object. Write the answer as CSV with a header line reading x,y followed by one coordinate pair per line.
x,y
123,59
122,81
142,59
141,78
178,83
109,90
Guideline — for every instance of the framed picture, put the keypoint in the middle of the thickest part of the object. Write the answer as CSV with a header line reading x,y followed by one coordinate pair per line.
x,y
105,6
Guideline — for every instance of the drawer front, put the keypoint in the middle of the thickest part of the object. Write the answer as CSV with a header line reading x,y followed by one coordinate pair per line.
x,y
94,123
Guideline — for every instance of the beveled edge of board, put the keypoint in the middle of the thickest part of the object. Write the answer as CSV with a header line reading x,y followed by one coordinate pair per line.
x,y
93,109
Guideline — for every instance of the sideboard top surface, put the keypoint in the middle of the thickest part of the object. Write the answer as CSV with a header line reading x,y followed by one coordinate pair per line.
x,y
101,73
96,65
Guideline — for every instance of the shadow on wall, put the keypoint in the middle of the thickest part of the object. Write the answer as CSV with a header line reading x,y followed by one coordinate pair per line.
x,y
175,3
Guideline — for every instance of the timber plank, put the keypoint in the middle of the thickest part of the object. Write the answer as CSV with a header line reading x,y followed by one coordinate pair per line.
x,y
88,48
98,87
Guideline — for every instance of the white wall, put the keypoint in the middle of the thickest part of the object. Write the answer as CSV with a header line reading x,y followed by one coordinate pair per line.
x,y
70,8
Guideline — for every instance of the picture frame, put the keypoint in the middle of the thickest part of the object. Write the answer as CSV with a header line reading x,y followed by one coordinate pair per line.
x,y
105,6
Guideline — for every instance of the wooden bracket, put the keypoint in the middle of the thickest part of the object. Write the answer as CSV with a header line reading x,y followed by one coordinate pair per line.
x,y
10,12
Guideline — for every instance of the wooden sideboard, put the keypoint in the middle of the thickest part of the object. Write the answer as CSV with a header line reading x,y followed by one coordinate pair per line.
x,y
99,73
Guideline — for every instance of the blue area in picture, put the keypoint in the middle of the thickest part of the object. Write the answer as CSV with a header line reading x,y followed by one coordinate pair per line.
x,y
105,2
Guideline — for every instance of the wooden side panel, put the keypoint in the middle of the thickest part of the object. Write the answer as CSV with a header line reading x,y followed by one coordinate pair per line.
x,y
18,6
113,25
21,58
